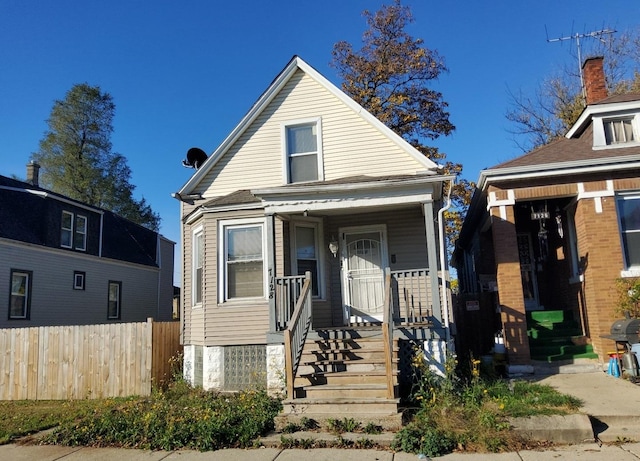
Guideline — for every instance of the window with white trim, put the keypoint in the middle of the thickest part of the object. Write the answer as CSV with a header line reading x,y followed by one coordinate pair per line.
x,y
618,131
115,300
80,236
243,270
629,220
73,231
306,251
197,275
66,234
78,280
20,298
303,151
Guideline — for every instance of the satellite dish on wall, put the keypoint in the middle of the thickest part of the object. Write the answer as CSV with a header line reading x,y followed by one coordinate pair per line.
x,y
195,158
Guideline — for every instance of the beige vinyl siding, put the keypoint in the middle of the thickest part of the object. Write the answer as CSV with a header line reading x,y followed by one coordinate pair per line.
x,y
218,323
55,302
350,144
193,318
406,239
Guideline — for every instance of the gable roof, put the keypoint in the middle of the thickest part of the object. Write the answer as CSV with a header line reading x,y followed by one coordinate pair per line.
x,y
614,103
122,239
272,91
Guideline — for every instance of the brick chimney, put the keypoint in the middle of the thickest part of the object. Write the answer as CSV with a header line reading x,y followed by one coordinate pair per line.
x,y
33,171
595,86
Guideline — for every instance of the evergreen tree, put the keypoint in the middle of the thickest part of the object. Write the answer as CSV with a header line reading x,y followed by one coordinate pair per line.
x,y
77,161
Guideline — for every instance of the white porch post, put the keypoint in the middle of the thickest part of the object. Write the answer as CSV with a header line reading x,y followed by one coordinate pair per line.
x,y
432,255
271,270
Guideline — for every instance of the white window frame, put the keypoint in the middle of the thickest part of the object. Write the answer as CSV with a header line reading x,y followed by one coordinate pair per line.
x,y
118,301
77,232
628,270
613,120
78,280
317,121
66,230
223,226
197,233
316,224
599,131
26,295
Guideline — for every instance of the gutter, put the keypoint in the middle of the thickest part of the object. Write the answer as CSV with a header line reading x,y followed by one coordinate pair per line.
x,y
557,169
445,298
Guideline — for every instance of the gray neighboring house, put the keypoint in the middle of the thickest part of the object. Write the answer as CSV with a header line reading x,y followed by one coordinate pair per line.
x,y
63,262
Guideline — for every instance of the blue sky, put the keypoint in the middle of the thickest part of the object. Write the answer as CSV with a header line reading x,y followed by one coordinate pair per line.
x,y
183,73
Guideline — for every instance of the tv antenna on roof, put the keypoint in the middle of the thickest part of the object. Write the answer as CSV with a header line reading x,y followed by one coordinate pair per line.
x,y
577,36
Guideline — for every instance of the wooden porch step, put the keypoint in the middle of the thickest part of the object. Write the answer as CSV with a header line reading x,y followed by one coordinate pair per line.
x,y
345,361
344,378
361,391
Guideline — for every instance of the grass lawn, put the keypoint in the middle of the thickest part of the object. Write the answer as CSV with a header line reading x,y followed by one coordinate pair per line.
x,y
19,418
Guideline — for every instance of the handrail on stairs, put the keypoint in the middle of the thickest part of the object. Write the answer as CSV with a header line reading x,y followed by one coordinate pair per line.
x,y
387,333
296,333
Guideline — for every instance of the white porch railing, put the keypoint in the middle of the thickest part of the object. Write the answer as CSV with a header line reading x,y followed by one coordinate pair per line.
x,y
387,334
296,333
412,297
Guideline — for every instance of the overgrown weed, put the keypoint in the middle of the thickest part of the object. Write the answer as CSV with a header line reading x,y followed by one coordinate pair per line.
x,y
468,410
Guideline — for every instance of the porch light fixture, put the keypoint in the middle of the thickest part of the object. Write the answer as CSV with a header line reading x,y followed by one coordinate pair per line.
x,y
333,246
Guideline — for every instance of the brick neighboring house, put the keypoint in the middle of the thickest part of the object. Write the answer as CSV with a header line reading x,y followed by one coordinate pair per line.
x,y
63,262
548,233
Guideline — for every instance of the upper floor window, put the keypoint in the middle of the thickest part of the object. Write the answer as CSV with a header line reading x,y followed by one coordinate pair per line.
x,y
73,232
303,151
20,299
198,266
243,271
618,131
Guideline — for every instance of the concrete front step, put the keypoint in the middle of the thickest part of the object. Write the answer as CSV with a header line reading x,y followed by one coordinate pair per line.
x,y
340,407
341,391
388,422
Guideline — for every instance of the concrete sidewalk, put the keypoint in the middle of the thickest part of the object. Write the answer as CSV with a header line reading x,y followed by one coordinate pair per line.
x,y
584,452
612,404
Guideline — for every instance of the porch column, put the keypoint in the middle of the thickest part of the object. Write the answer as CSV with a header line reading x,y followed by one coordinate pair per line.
x,y
271,269
512,310
432,256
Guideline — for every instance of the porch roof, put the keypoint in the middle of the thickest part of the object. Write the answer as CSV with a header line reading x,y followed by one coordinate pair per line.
x,y
352,192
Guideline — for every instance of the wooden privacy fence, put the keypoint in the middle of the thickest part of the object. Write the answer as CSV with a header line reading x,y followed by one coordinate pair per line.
x,y
86,361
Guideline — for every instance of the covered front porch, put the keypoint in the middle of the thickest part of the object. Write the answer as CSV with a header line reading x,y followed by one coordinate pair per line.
x,y
346,263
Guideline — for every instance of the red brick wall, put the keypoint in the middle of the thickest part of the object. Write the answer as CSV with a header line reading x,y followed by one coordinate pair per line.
x,y
599,246
510,286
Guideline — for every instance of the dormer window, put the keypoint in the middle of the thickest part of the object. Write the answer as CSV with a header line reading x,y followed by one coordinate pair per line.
x,y
302,151
618,131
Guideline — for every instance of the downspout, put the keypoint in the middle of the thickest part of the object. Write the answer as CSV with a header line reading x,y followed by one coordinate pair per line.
x,y
445,297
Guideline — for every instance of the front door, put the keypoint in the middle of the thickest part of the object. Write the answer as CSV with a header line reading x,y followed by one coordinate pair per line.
x,y
528,273
364,257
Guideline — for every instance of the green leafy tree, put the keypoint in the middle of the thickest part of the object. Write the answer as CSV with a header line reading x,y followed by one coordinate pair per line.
x,y
77,161
557,103
391,76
